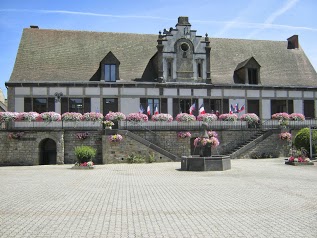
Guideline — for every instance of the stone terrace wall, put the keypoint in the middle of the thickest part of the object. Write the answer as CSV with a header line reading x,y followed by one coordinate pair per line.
x,y
271,146
169,140
26,151
71,141
119,152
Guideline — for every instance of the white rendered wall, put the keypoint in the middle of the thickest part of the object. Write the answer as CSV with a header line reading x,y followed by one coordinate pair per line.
x,y
19,104
95,105
298,106
266,109
129,105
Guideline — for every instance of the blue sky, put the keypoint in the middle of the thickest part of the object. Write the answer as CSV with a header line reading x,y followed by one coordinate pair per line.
x,y
245,19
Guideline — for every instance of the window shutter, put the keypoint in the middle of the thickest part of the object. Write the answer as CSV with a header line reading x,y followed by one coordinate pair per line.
x,y
164,105
27,104
64,105
51,105
87,105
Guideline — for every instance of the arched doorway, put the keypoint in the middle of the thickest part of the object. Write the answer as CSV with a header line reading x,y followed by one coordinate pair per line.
x,y
47,152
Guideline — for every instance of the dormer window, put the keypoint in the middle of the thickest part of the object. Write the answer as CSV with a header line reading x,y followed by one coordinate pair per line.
x,y
109,68
253,76
247,72
110,72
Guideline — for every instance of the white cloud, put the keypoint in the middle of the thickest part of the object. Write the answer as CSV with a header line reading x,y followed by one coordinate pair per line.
x,y
228,24
268,22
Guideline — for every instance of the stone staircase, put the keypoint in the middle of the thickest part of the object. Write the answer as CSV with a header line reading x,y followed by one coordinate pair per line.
x,y
250,143
149,144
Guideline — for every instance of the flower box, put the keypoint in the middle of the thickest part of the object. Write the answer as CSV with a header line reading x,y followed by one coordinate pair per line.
x,y
42,124
56,124
299,163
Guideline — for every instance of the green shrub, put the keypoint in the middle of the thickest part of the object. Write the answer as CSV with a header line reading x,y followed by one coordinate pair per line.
x,y
85,153
151,158
135,159
302,140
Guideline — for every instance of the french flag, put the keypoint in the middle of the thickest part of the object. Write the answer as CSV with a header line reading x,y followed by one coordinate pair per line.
x,y
141,110
148,110
242,108
202,109
192,108
156,110
236,108
231,109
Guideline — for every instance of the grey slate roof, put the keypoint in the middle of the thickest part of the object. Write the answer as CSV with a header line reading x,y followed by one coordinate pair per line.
x,y
56,55
59,55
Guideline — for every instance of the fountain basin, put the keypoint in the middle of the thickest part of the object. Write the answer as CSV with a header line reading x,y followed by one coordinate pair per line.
x,y
212,163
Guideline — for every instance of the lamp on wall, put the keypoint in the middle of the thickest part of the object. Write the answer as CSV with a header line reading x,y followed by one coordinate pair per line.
x,y
58,96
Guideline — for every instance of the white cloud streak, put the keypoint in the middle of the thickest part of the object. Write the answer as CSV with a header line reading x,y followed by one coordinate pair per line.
x,y
268,22
232,24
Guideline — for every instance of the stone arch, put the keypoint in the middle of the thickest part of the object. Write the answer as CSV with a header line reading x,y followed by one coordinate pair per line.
x,y
58,138
48,152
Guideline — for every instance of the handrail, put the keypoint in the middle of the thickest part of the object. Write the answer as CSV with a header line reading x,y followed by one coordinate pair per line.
x,y
151,145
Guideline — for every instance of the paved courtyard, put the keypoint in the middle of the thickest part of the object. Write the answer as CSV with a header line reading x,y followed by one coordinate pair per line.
x,y
256,198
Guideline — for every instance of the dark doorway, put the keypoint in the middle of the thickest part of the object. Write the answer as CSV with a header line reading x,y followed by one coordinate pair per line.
x,y
47,152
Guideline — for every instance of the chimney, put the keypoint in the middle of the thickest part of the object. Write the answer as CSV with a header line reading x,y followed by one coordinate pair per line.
x,y
183,21
293,42
34,27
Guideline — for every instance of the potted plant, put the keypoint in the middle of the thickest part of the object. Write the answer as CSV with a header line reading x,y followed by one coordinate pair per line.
x,y
115,138
137,117
108,124
162,117
207,117
297,117
115,117
84,155
183,135
228,117
92,116
185,117
72,116
285,136
251,118
8,116
49,117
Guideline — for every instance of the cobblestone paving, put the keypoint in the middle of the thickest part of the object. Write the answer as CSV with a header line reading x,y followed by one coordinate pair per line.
x,y
256,198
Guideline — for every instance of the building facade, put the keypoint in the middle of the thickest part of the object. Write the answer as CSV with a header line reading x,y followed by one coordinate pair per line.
x,y
78,71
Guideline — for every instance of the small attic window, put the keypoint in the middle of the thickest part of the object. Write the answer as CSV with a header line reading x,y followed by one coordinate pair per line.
x,y
110,73
247,72
253,76
109,68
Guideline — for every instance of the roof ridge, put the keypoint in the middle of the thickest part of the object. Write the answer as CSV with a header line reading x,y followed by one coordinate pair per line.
x,y
98,32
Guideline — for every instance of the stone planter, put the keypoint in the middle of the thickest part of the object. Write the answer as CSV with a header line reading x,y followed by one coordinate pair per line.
x,y
83,167
213,163
299,163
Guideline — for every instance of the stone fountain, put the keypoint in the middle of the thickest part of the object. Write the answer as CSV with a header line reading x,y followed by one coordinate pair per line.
x,y
205,163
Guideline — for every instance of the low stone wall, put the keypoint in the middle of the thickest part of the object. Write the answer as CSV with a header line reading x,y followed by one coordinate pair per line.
x,y
271,147
93,139
118,152
26,150
168,140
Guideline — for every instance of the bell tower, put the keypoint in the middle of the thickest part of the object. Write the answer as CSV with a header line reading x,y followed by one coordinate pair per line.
x,y
182,55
